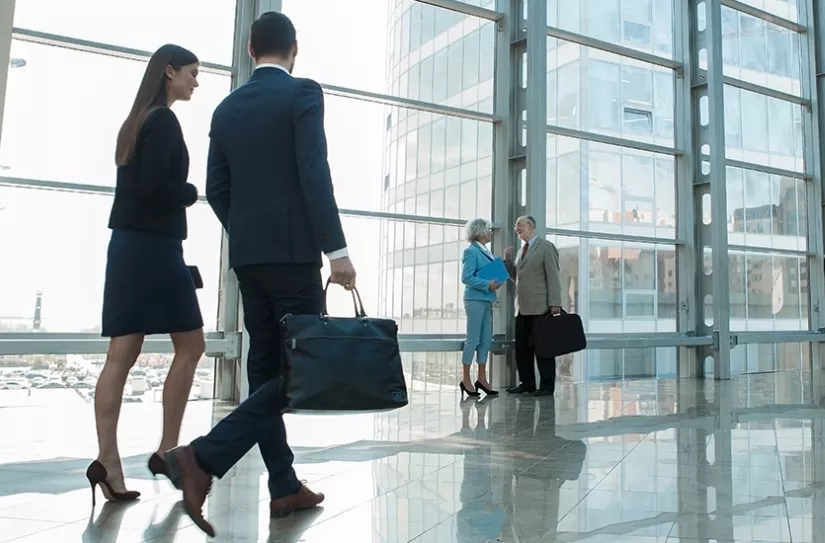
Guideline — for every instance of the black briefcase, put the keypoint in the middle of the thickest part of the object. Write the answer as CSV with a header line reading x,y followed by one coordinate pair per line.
x,y
557,335
335,364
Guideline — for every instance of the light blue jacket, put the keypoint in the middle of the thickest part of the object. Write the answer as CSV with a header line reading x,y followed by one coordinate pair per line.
x,y
475,288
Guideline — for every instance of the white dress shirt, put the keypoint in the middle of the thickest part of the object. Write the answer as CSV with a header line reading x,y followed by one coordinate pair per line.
x,y
334,255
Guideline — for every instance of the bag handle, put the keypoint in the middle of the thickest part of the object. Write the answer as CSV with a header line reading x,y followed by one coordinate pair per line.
x,y
357,304
548,314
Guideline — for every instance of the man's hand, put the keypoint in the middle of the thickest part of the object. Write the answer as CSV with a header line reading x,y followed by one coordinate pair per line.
x,y
508,253
555,310
342,272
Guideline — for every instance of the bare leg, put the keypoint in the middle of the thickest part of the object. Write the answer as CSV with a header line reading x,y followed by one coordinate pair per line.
x,y
482,375
122,355
189,348
466,379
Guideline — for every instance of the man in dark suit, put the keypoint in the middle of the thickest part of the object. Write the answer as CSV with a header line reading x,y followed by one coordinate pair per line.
x,y
269,183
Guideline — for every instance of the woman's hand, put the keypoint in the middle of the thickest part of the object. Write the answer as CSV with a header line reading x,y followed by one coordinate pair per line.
x,y
494,286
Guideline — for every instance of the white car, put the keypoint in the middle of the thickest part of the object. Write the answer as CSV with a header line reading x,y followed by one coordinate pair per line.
x,y
13,385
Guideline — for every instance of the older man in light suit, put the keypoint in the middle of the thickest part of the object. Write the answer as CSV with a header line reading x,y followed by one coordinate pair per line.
x,y
538,292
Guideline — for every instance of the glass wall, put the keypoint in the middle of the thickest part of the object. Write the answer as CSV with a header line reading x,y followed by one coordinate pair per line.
x,y
415,106
72,77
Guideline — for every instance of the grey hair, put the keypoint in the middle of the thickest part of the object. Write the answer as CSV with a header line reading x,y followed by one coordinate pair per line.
x,y
528,219
476,228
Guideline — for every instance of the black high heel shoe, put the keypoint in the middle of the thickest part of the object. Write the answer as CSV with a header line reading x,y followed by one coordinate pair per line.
x,y
465,390
97,475
487,391
157,465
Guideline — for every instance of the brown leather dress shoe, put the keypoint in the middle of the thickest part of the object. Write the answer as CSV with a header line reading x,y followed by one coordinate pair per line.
x,y
303,499
193,481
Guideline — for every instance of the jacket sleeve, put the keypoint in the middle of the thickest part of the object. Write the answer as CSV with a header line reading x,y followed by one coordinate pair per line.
x,y
551,273
468,272
160,137
218,182
511,268
313,166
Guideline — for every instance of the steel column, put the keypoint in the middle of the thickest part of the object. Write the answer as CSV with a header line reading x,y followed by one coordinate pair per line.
x,y
812,45
6,20
536,108
230,384
505,180
688,255
712,314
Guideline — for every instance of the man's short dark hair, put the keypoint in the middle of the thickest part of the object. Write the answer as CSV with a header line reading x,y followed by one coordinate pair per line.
x,y
272,34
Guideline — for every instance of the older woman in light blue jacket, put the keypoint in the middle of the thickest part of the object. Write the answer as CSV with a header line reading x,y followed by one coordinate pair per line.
x,y
479,296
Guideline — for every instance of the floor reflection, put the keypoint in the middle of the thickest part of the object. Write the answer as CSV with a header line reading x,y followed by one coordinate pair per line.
x,y
642,461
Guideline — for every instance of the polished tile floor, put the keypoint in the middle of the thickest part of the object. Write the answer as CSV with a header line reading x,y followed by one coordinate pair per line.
x,y
639,461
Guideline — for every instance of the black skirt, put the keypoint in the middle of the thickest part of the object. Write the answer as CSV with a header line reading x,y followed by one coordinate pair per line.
x,y
148,289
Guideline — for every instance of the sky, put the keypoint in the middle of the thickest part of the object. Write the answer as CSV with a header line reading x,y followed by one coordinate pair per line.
x,y
63,110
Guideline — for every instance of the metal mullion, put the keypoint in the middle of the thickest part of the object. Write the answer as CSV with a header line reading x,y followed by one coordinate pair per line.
x,y
764,15
778,336
764,169
505,184
63,186
6,20
609,47
86,46
814,153
385,99
103,190
765,91
465,9
708,85
608,236
688,361
611,140
536,107
753,250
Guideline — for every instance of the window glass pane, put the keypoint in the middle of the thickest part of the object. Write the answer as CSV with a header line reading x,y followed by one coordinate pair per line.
x,y
606,19
66,264
471,60
636,22
125,24
85,116
620,98
770,135
628,192
787,9
631,286
760,52
767,211
603,20
421,32
605,96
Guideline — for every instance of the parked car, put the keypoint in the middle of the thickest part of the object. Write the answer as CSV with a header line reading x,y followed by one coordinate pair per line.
x,y
13,385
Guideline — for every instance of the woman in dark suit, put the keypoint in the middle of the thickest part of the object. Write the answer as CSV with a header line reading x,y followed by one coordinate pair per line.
x,y
149,289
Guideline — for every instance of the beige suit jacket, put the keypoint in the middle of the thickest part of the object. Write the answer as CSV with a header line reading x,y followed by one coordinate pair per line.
x,y
537,278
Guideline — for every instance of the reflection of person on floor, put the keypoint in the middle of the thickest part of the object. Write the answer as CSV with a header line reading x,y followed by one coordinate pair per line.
x,y
536,492
479,516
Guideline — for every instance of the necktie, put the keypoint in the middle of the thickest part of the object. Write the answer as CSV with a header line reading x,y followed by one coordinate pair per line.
x,y
524,251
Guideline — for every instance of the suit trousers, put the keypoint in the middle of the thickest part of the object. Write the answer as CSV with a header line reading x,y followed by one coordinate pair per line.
x,y
526,355
268,292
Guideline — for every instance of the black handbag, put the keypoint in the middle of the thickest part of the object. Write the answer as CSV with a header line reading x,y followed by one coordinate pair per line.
x,y
342,364
557,335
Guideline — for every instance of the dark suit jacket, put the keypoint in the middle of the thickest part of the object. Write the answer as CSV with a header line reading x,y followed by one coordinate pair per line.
x,y
268,179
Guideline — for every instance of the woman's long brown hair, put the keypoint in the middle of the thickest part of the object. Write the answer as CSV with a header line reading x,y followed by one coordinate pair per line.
x,y
151,95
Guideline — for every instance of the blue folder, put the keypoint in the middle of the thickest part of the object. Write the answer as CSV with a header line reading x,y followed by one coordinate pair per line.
x,y
494,271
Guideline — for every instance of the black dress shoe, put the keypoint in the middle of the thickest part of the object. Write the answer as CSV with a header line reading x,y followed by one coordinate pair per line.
x,y
543,392
521,389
